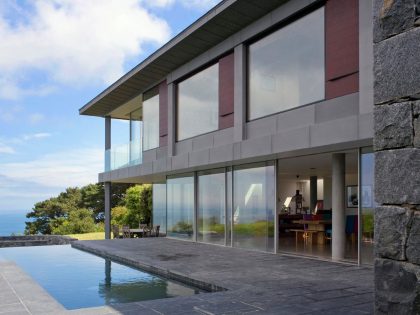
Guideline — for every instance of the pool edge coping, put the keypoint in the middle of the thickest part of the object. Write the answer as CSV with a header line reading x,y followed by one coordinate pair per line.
x,y
166,273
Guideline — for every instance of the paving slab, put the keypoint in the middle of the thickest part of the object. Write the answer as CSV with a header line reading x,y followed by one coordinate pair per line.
x,y
248,282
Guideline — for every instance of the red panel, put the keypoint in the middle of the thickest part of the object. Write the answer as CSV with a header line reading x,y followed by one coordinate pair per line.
x,y
226,85
341,44
163,140
226,121
163,109
342,86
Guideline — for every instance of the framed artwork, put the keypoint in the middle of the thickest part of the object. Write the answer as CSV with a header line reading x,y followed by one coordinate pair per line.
x,y
352,197
367,196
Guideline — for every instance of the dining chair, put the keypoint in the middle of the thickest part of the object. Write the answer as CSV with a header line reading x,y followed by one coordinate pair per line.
x,y
116,231
126,231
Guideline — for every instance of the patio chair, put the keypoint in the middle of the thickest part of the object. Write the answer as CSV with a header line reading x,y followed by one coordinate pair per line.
x,y
155,231
147,231
116,231
126,231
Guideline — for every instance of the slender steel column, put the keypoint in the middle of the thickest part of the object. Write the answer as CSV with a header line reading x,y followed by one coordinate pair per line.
x,y
338,206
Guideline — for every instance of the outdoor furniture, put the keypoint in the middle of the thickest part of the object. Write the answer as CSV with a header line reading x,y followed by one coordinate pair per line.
x,y
137,232
155,231
126,231
116,231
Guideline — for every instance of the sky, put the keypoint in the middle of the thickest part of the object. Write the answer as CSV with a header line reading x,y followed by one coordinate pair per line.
x,y
55,56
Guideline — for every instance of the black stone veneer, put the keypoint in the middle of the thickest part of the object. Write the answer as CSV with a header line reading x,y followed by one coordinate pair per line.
x,y
397,157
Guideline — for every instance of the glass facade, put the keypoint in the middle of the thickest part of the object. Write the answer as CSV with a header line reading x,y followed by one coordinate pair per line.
x,y
135,137
211,207
287,68
367,205
180,207
151,120
159,207
253,207
198,104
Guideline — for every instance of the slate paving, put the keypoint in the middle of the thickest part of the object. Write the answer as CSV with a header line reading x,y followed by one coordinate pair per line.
x,y
255,282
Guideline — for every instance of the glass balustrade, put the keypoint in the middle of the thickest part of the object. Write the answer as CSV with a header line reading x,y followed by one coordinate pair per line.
x,y
124,155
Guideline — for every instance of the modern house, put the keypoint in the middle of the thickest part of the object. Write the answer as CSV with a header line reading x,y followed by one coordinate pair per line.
x,y
255,127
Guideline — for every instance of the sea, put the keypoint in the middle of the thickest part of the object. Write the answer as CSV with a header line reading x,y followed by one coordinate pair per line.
x,y
12,222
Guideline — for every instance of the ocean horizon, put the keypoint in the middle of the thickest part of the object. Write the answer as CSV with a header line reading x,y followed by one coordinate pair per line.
x,y
12,222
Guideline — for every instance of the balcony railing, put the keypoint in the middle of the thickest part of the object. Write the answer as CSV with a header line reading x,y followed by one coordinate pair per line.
x,y
124,155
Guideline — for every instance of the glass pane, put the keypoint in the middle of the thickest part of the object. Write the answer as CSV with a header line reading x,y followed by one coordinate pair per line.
x,y
159,207
286,68
151,123
180,207
198,104
253,217
368,205
211,208
135,135
229,207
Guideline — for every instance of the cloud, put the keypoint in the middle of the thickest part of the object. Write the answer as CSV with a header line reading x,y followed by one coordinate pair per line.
x,y
58,170
9,113
73,42
189,4
39,135
36,118
5,149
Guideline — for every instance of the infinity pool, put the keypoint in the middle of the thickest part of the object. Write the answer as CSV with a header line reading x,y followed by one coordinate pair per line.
x,y
77,279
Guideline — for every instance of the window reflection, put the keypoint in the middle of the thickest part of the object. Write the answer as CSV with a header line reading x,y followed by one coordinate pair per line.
x,y
253,210
159,207
151,120
286,68
198,104
180,207
211,207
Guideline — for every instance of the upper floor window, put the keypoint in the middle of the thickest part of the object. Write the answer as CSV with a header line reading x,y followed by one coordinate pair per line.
x,y
151,119
198,103
287,68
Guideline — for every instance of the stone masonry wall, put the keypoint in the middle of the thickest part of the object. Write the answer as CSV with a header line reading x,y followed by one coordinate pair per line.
x,y
397,156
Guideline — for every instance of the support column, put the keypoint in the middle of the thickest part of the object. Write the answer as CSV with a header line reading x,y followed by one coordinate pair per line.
x,y
171,119
239,100
313,188
338,206
107,143
107,188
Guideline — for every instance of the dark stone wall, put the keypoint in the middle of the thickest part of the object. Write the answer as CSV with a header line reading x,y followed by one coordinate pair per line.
x,y
397,156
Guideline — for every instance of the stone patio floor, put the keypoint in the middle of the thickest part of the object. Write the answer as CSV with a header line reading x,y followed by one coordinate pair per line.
x,y
255,282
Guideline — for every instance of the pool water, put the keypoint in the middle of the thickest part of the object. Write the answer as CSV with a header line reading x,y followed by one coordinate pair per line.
x,y
78,279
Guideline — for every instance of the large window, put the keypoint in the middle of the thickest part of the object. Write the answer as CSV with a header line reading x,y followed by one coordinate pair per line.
x,y
159,207
211,207
253,206
135,137
151,119
286,68
198,104
180,207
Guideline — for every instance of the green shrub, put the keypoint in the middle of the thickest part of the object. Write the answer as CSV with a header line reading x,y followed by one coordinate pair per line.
x,y
79,221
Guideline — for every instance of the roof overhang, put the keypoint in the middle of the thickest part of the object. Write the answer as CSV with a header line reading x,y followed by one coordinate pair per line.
x,y
224,20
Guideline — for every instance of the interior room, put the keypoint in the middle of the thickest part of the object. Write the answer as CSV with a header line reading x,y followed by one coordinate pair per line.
x,y
308,188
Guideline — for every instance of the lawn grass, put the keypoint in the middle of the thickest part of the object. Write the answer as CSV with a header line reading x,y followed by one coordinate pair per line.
x,y
89,236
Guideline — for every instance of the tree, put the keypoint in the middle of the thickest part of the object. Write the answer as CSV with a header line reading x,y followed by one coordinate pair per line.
x,y
118,215
138,201
79,221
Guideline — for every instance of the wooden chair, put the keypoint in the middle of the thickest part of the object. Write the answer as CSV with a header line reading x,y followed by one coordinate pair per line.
x,y
146,231
155,231
126,231
116,231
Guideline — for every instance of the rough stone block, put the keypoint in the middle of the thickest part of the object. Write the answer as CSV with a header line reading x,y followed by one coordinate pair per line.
x,y
393,126
391,231
413,248
416,108
416,126
397,67
392,17
397,179
396,287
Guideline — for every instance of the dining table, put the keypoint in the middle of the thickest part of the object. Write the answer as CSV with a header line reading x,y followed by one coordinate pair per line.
x,y
137,232
316,225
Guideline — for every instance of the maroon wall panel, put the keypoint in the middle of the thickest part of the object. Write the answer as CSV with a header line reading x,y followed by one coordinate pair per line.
x,y
345,85
163,114
341,47
226,90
